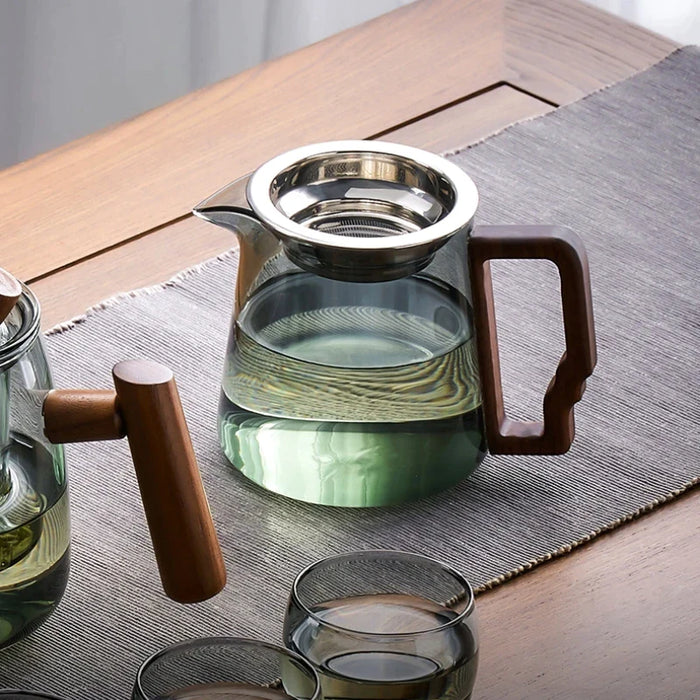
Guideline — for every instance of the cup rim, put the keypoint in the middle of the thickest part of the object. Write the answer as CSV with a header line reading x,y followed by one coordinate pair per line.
x,y
28,694
389,554
228,641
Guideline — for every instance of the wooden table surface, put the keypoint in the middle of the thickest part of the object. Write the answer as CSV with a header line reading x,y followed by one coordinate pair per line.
x,y
617,619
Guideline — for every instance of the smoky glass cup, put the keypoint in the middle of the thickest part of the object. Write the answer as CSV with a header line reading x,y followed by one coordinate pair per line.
x,y
224,668
385,624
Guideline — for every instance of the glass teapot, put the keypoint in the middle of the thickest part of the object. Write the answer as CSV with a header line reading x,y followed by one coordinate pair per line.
x,y
362,367
34,520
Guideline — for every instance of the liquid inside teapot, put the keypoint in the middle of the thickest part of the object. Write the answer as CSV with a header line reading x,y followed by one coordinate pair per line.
x,y
349,394
34,538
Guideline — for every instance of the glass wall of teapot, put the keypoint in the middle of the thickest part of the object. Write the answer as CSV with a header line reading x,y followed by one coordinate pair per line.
x,y
34,511
352,371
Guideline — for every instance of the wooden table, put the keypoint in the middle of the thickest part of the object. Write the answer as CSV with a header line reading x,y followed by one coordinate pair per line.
x,y
617,619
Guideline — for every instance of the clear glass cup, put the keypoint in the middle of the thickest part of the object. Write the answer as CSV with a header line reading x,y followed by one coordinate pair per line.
x,y
7,694
384,624
224,668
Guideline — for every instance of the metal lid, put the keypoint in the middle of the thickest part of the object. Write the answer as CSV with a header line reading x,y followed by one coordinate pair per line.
x,y
362,210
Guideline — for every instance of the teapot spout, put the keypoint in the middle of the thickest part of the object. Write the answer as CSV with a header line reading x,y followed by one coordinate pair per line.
x,y
228,207
256,244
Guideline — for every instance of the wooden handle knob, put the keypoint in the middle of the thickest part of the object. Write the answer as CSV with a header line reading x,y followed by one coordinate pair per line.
x,y
185,542
82,415
10,291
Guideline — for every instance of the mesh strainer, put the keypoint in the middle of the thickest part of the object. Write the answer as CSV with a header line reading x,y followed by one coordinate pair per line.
x,y
362,210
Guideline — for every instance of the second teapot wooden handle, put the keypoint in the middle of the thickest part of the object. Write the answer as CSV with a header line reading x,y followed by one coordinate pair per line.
x,y
185,542
82,415
147,408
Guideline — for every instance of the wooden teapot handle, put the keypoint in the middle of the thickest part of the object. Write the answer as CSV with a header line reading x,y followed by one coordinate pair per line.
x,y
566,251
147,408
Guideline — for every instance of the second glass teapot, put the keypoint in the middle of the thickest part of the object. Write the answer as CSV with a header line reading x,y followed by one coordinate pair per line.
x,y
36,419
363,312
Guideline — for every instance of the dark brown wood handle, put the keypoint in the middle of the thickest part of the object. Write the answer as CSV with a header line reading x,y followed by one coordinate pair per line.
x,y
185,542
82,415
565,249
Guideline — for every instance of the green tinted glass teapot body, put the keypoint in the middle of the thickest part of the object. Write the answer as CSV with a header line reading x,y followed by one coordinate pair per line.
x,y
352,371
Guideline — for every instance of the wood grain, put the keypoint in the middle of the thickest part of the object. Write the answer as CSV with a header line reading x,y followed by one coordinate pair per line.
x,y
565,249
184,540
157,256
469,121
113,185
617,619
82,415
145,261
562,50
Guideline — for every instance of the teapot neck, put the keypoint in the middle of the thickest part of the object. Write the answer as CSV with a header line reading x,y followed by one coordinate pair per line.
x,y
17,334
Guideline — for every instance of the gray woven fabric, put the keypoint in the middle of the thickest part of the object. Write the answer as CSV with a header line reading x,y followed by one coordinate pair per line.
x,y
621,168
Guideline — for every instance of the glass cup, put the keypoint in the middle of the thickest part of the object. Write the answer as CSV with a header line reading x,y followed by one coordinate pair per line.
x,y
225,668
7,694
383,624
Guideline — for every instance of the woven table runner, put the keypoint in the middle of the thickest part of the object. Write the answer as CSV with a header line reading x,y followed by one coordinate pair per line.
x,y
621,168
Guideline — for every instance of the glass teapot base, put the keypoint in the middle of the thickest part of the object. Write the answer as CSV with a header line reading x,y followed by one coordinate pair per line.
x,y
351,464
34,538
25,609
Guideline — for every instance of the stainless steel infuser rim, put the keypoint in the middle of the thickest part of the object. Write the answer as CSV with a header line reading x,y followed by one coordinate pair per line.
x,y
465,197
